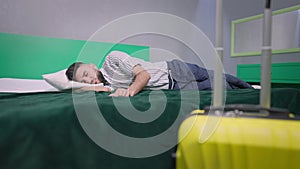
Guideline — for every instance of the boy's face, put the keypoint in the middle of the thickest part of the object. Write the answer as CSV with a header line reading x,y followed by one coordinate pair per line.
x,y
87,73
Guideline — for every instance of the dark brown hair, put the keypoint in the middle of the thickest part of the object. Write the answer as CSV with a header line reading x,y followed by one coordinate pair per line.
x,y
71,71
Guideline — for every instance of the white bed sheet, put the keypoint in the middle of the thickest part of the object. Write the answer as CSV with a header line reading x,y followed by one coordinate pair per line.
x,y
14,85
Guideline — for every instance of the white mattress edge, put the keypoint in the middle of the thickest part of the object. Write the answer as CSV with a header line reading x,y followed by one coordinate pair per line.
x,y
16,85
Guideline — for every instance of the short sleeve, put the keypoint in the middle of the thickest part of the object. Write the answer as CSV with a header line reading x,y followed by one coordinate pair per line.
x,y
122,61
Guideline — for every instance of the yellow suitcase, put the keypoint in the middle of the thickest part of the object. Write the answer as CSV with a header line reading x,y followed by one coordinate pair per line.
x,y
255,141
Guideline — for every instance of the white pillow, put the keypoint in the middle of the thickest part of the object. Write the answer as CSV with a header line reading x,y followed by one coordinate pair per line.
x,y
60,81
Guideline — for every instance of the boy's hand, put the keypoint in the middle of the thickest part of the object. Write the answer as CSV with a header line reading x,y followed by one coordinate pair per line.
x,y
121,92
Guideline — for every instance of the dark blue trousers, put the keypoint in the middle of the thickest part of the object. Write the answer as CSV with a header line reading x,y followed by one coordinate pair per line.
x,y
191,76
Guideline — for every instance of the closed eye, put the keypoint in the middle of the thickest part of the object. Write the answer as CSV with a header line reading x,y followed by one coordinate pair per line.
x,y
85,74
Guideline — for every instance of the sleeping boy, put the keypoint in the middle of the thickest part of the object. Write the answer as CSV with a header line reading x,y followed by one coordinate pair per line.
x,y
127,76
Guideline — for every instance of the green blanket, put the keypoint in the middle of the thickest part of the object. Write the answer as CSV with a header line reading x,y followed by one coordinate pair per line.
x,y
42,130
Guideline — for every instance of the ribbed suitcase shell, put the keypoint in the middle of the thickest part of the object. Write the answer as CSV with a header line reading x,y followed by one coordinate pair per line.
x,y
239,143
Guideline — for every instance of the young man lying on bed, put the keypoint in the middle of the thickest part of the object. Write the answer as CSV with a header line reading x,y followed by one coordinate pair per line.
x,y
128,75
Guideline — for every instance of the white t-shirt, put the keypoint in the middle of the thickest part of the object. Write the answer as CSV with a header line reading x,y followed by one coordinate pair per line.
x,y
118,66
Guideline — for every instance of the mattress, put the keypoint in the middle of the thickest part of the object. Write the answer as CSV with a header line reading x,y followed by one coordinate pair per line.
x,y
43,130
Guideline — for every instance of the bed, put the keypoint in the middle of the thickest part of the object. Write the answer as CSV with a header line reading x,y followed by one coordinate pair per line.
x,y
40,127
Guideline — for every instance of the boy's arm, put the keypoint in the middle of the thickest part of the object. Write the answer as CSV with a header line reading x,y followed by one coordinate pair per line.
x,y
93,88
141,79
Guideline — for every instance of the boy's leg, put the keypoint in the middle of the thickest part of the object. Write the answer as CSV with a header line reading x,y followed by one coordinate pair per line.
x,y
237,83
200,74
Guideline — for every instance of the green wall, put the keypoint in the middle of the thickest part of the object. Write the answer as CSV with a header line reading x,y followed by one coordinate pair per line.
x,y
23,56
283,74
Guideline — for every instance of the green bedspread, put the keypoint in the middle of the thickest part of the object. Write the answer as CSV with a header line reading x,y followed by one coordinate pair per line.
x,y
41,130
